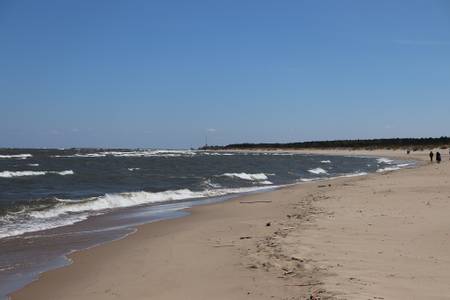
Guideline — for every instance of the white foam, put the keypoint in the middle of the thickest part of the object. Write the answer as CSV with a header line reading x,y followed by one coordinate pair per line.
x,y
218,154
394,168
133,169
384,160
388,169
87,155
355,174
63,173
210,184
20,227
246,176
327,178
404,165
33,165
17,156
326,161
266,182
310,179
318,171
10,174
111,201
137,153
68,212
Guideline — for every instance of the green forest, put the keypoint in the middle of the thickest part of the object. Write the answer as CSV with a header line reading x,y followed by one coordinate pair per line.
x,y
412,144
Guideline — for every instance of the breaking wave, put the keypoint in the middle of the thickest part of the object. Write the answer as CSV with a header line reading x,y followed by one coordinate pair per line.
x,y
394,167
64,212
137,153
247,176
11,174
17,156
310,179
334,177
384,160
318,171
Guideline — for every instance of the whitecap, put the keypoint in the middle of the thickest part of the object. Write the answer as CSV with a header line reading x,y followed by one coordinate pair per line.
x,y
384,160
309,179
247,176
68,212
86,155
17,156
11,174
266,182
211,184
63,173
137,153
318,171
110,201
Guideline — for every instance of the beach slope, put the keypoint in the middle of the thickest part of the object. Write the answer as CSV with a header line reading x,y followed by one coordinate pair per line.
x,y
382,236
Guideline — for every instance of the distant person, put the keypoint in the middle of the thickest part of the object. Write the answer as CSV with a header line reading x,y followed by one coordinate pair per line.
x,y
431,155
438,157
407,151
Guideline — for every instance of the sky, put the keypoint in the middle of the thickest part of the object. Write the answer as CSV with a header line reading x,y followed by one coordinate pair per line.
x,y
165,74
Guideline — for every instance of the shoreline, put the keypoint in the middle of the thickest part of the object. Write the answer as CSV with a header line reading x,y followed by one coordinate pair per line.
x,y
168,230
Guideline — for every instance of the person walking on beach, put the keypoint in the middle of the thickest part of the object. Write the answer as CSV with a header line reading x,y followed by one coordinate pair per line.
x,y
438,157
431,155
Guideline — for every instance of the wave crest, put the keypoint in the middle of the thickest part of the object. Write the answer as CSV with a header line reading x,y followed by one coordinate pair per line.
x,y
384,160
11,174
247,176
17,156
137,153
66,212
318,171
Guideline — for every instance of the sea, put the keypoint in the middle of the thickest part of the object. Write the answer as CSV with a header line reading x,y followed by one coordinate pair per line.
x,y
57,201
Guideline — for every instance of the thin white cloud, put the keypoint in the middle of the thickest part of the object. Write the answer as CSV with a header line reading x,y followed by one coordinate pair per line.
x,y
422,42
211,130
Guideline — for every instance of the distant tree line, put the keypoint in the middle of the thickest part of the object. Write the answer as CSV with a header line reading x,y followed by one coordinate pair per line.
x,y
413,144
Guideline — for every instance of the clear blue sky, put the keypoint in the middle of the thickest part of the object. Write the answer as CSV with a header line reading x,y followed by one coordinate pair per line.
x,y
165,73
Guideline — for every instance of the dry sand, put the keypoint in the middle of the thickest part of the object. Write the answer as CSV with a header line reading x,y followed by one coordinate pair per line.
x,y
382,236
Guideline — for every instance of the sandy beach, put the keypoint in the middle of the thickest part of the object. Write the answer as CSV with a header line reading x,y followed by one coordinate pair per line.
x,y
381,236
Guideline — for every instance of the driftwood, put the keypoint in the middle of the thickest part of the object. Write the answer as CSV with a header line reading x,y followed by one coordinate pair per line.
x,y
256,201
305,284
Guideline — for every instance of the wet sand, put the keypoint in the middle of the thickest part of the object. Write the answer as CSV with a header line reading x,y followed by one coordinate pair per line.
x,y
382,236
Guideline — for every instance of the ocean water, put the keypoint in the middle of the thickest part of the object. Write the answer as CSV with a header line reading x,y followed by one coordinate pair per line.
x,y
53,202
